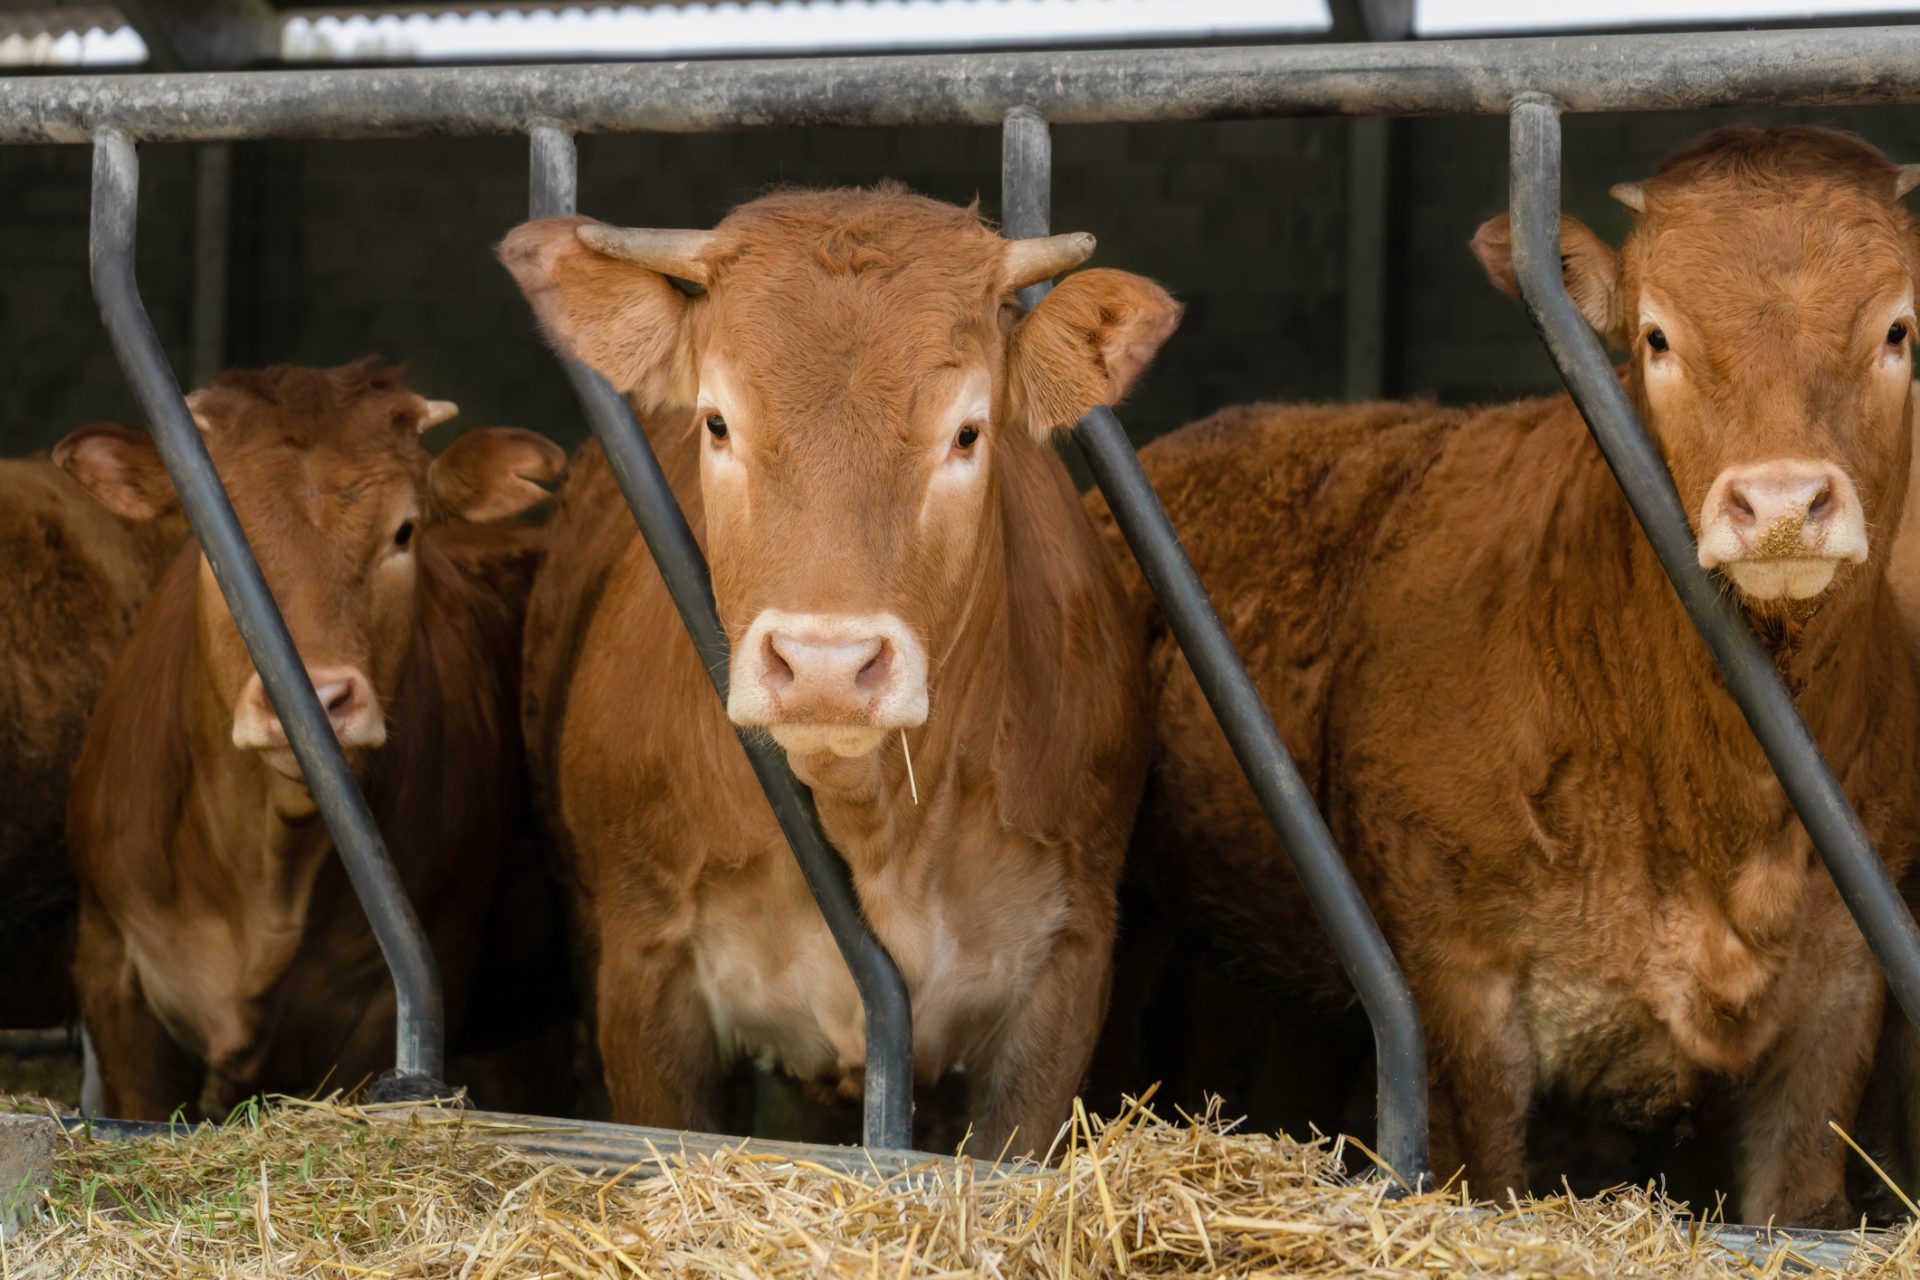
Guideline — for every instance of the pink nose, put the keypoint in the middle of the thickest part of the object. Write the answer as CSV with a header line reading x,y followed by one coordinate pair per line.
x,y
344,692
823,680
1782,509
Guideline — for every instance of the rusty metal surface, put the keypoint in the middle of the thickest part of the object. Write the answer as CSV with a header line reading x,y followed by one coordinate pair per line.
x,y
1465,77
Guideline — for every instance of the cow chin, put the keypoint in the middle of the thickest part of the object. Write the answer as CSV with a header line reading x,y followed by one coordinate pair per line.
x,y
1771,585
845,741
283,762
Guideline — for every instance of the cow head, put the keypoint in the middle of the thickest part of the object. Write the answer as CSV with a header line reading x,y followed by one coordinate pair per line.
x,y
850,364
1766,295
333,488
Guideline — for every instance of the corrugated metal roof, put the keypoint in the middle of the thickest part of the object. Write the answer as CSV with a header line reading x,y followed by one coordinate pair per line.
x,y
433,10
478,30
37,18
51,18
39,32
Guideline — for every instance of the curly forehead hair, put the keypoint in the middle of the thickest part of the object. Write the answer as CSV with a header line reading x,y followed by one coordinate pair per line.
x,y
1748,154
301,389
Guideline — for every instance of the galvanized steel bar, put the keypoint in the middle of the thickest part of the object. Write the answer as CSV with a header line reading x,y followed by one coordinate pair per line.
x,y
1865,886
420,1034
1462,77
1400,1044
883,993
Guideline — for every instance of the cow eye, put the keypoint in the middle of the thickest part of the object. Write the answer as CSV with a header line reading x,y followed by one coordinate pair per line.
x,y
1656,339
404,534
1897,335
716,426
965,437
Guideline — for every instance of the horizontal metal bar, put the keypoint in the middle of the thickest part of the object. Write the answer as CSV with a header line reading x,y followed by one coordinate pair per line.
x,y
1755,684
553,182
1462,77
420,1040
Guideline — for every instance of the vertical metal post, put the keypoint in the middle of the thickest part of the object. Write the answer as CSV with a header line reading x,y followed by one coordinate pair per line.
x,y
420,1035
1400,1045
552,184
1865,886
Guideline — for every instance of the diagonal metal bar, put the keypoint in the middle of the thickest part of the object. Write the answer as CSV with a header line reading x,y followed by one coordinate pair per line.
x,y
420,1034
553,187
1865,886
1400,1044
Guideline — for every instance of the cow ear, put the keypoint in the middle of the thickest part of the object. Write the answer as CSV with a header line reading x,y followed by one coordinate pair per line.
x,y
629,324
121,469
1084,345
1590,268
490,474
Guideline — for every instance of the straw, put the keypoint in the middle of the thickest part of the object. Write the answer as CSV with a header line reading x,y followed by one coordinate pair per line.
x,y
324,1189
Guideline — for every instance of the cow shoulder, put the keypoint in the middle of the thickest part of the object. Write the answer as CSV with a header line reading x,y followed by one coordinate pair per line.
x,y
588,532
135,762
1280,508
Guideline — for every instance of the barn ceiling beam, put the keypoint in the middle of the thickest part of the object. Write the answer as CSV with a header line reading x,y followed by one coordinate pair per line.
x,y
205,35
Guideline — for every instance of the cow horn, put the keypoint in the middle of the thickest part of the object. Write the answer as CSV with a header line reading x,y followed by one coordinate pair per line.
x,y
1629,194
200,419
1907,179
672,253
435,412
1031,261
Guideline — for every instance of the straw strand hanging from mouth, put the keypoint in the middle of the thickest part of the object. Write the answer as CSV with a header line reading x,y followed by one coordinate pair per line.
x,y
914,786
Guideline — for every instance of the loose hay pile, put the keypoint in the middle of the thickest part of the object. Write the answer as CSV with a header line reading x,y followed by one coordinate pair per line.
x,y
320,1189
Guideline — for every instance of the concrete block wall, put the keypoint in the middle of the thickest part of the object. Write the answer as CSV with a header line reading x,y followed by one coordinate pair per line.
x,y
56,368
340,249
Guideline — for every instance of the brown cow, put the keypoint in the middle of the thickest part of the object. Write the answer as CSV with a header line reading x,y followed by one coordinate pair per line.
x,y
856,418
72,578
1570,836
217,929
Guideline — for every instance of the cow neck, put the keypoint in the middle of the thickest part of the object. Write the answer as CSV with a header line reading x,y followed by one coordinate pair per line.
x,y
868,806
260,834
1830,661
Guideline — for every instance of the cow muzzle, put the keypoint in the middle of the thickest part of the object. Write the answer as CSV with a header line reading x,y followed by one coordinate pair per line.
x,y
345,694
828,682
1781,529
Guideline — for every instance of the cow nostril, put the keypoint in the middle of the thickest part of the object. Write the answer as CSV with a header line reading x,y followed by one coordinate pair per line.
x,y
877,667
1742,509
339,699
774,671
1822,503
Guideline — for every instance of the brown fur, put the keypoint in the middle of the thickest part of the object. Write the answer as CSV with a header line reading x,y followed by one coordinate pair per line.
x,y
218,931
72,578
1566,828
843,319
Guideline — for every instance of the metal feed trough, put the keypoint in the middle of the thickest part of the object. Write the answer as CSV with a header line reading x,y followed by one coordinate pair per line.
x,y
1531,81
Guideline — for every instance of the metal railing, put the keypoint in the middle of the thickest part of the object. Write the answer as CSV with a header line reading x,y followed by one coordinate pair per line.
x,y
1532,81
1853,65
